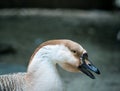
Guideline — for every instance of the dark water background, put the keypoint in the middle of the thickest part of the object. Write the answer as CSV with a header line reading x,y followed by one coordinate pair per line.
x,y
97,32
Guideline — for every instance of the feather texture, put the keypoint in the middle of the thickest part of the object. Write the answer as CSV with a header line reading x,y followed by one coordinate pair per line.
x,y
12,82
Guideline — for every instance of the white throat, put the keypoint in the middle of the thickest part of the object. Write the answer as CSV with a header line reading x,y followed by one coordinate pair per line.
x,y
42,74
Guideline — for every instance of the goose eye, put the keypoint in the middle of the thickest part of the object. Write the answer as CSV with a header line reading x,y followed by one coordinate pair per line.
x,y
74,51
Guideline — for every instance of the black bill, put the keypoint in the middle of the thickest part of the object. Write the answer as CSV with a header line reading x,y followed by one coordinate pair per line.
x,y
87,67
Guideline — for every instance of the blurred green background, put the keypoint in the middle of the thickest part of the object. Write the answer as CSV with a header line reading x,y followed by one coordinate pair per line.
x,y
96,29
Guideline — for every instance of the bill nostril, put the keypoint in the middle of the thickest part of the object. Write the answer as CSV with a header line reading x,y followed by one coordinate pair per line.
x,y
89,65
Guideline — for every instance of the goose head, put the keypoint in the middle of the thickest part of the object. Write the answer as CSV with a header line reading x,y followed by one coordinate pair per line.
x,y
71,56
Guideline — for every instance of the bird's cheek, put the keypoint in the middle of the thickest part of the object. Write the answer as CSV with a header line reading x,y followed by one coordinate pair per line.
x,y
77,62
69,67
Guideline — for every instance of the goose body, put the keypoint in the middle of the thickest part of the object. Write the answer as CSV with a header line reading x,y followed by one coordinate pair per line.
x,y
42,74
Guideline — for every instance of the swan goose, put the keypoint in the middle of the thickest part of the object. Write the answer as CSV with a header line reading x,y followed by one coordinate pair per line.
x,y
42,74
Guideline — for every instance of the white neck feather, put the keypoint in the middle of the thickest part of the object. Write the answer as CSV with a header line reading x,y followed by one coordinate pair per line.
x,y
42,74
